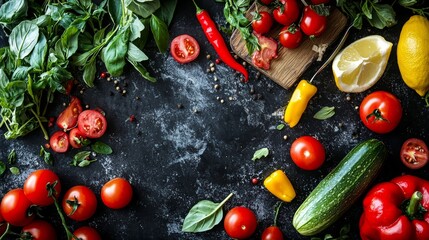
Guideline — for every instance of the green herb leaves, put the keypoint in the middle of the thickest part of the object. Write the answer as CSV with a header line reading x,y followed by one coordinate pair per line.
x,y
325,113
101,148
260,153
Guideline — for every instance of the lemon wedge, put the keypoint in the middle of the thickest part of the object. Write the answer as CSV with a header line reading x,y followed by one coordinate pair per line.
x,y
361,64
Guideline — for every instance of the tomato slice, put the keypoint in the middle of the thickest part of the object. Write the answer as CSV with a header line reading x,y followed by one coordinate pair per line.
x,y
77,139
59,142
414,153
268,51
68,118
184,48
92,123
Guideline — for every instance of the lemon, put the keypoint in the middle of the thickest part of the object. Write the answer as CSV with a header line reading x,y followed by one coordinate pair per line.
x,y
361,64
413,54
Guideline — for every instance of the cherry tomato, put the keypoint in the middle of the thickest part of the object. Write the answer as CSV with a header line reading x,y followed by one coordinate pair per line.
x,y
414,153
86,233
184,48
312,24
92,123
262,22
266,2
307,153
59,142
79,203
272,233
15,208
76,138
380,111
68,118
117,193
240,222
39,230
287,13
35,187
316,2
290,36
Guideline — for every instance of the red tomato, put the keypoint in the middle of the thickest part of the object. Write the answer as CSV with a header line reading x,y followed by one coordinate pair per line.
x,y
414,153
79,203
316,2
266,2
312,24
117,193
287,13
86,233
69,86
39,230
35,187
272,233
290,36
262,22
15,208
240,223
59,142
268,51
307,153
92,123
184,48
76,138
380,111
68,118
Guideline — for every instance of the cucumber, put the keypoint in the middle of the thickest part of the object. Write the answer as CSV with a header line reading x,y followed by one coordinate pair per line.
x,y
337,192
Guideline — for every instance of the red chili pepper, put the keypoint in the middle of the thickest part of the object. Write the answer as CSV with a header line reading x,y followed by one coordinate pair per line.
x,y
216,40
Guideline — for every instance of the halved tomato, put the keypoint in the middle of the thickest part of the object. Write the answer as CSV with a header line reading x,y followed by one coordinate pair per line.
x,y
59,142
68,118
268,51
92,123
77,139
184,48
414,153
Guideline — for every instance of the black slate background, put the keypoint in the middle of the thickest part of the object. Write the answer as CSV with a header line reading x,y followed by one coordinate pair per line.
x,y
175,157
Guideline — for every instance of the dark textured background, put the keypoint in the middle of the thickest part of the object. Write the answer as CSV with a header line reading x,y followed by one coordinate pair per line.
x,y
175,157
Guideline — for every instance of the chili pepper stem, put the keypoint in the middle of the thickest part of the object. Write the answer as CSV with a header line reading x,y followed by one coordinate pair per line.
x,y
276,212
412,208
197,7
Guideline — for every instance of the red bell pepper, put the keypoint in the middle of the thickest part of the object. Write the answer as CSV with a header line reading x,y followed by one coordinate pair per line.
x,y
396,210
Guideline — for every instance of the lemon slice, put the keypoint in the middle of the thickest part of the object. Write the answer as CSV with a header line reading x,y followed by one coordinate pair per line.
x,y
361,64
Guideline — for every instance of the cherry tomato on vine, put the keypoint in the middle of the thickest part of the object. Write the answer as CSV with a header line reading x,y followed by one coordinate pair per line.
x,y
59,142
116,193
76,138
92,123
287,13
39,230
272,233
312,23
240,222
184,48
380,111
86,233
79,203
35,187
307,153
68,118
414,153
315,2
290,36
262,22
16,208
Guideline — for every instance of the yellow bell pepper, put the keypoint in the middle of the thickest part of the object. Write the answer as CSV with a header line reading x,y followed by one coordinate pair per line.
x,y
279,185
298,102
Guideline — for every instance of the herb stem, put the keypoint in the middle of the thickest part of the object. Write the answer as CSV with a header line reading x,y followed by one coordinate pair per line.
x,y
63,220
45,133
5,232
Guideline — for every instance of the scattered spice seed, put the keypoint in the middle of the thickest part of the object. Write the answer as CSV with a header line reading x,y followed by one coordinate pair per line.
x,y
132,118
252,90
348,98
222,101
116,82
109,79
218,61
255,180
208,56
244,63
87,106
103,75
180,106
211,64
215,79
217,86
118,88
51,121
285,137
212,69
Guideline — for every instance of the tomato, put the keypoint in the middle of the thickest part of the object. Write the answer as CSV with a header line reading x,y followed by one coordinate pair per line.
x,y
307,153
262,22
380,111
35,187
184,48
262,58
290,36
15,208
266,2
117,193
240,222
316,2
69,86
79,203
92,123
68,118
86,233
59,142
272,233
414,153
312,24
39,230
76,138
287,13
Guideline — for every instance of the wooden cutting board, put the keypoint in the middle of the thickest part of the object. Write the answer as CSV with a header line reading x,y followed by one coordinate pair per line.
x,y
291,63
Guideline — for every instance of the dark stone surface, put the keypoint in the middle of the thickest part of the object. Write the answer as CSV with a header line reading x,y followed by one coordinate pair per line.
x,y
175,157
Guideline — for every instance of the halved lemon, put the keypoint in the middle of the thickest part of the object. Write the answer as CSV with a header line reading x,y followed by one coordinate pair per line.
x,y
361,64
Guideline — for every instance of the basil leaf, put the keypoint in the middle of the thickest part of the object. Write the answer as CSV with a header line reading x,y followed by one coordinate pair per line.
x,y
14,170
69,41
135,54
143,8
325,113
11,158
13,10
101,148
113,55
47,156
204,215
383,16
23,38
142,70
2,168
407,3
263,152
89,71
82,159
280,127
38,55
115,9
166,11
160,33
